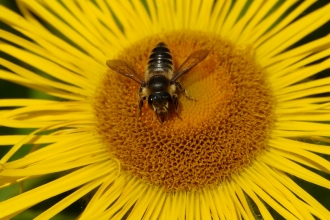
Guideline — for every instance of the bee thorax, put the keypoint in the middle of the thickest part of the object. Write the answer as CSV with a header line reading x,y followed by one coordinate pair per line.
x,y
158,83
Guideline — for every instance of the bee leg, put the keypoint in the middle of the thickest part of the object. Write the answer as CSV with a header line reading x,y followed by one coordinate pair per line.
x,y
175,102
167,116
183,90
141,99
176,105
141,104
159,116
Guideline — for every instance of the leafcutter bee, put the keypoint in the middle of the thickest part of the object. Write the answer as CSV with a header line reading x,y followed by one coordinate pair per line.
x,y
160,85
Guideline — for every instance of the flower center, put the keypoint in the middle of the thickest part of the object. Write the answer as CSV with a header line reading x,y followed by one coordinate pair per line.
x,y
218,134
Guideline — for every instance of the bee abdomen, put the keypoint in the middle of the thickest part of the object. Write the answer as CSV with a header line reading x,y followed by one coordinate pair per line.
x,y
160,59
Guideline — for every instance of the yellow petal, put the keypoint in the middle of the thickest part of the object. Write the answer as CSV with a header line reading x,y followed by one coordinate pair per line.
x,y
247,189
270,200
67,31
44,65
273,16
297,73
273,159
53,188
267,179
29,84
143,203
64,203
294,32
264,7
232,17
321,211
299,52
306,158
284,22
238,204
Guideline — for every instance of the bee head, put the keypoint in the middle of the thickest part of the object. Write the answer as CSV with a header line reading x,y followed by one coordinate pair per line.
x,y
160,102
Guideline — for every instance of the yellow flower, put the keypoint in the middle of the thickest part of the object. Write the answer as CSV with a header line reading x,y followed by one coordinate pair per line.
x,y
257,124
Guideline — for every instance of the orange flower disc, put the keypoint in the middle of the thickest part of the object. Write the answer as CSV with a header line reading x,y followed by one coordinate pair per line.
x,y
219,134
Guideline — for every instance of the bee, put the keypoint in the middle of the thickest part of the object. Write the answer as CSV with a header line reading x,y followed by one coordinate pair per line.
x,y
160,85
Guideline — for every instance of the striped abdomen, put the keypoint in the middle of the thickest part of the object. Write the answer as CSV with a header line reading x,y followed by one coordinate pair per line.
x,y
160,59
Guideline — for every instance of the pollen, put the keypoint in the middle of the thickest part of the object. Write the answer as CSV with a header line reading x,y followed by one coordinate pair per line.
x,y
215,137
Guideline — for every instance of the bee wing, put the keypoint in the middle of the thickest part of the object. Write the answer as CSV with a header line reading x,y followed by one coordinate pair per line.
x,y
125,69
194,59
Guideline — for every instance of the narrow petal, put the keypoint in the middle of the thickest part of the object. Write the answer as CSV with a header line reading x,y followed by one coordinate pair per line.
x,y
54,188
142,13
73,23
302,126
283,22
269,21
35,77
277,195
204,14
142,204
264,7
102,14
76,195
53,168
266,178
272,201
45,38
283,142
295,134
111,194
221,17
153,209
251,10
11,77
46,66
133,28
305,158
303,102
260,204
239,204
70,144
306,85
19,144
206,212
124,203
182,203
58,24
306,117
307,109
216,212
304,93
110,178
55,106
321,211
242,199
40,51
301,52
299,74
233,212
273,159
214,15
24,102
38,139
232,18
294,32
